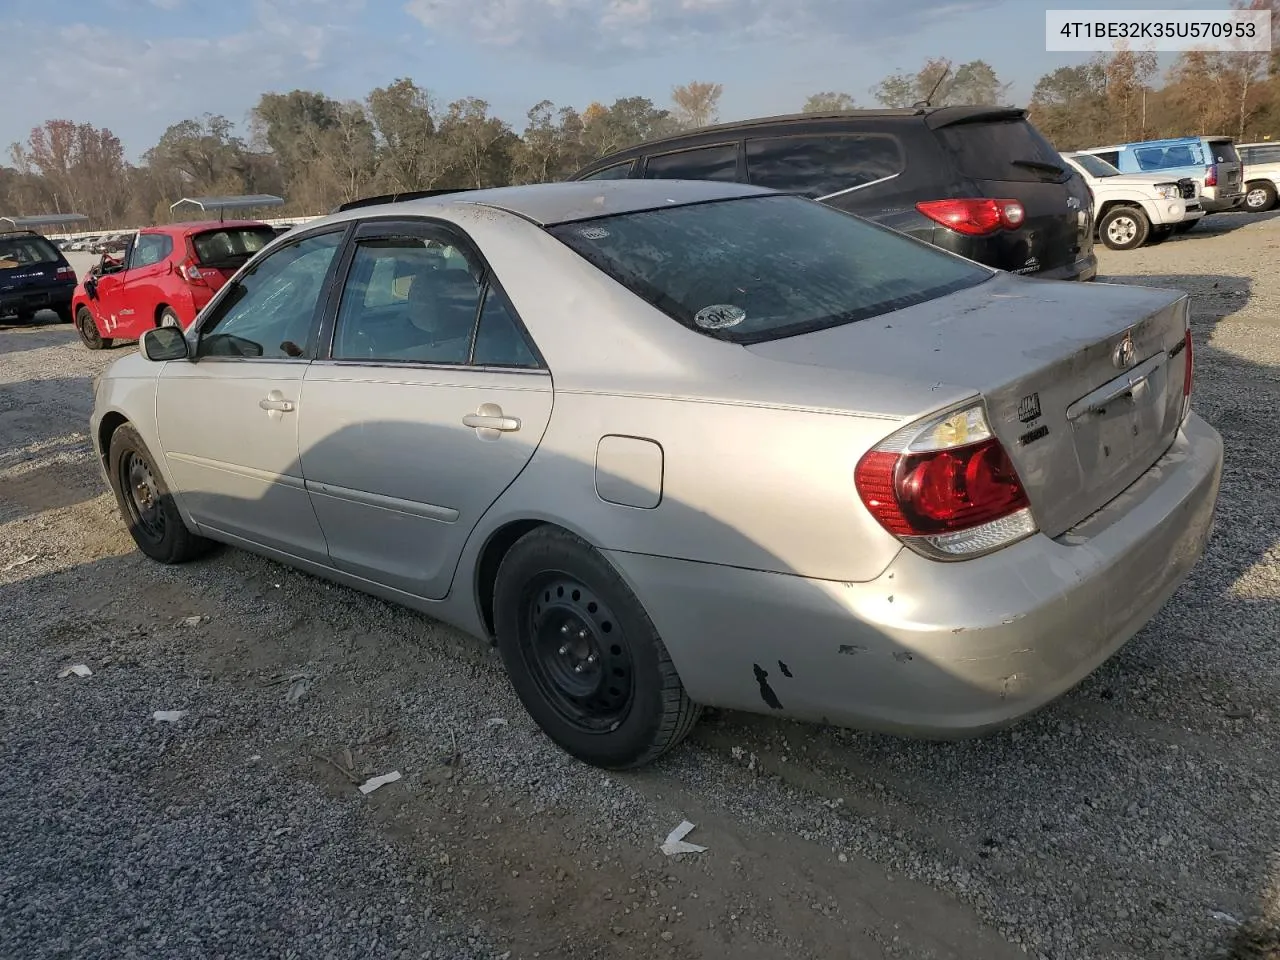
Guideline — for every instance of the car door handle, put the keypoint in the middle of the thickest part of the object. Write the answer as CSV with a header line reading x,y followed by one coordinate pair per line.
x,y
491,417
276,404
482,422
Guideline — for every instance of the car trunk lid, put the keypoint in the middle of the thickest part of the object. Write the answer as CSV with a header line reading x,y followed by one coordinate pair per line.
x,y
1223,156
1083,383
1002,156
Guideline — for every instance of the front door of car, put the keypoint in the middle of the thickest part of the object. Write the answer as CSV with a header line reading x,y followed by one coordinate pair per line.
x,y
426,400
108,293
228,422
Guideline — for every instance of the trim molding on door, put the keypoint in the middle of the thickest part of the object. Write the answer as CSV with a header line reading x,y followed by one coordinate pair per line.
x,y
264,476
413,508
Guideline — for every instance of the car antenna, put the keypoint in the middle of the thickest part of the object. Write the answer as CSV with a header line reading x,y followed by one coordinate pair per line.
x,y
928,101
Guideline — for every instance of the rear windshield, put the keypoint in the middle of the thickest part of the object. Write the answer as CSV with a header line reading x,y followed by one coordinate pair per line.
x,y
1224,151
762,268
1003,150
26,251
230,247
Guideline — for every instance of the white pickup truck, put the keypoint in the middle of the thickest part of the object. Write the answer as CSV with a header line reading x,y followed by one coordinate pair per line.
x,y
1131,209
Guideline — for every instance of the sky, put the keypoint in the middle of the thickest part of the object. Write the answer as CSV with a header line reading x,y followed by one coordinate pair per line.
x,y
137,66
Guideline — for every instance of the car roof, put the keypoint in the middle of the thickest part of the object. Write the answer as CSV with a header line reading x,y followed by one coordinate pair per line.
x,y
548,204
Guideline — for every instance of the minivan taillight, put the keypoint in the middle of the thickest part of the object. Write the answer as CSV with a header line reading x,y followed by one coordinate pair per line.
x,y
1211,175
974,216
946,488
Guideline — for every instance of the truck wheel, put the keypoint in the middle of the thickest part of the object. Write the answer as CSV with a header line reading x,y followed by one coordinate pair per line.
x,y
1124,228
88,331
1260,196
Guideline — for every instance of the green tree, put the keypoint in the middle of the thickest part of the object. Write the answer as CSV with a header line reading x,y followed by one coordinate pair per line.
x,y
829,101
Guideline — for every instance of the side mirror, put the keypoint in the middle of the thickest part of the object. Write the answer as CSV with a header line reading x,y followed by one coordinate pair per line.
x,y
164,343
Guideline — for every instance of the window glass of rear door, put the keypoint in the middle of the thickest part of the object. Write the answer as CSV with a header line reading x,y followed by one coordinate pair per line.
x,y
704,163
820,166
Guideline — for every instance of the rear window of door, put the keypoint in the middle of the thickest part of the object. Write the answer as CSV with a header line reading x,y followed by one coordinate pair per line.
x,y
619,171
150,249
821,166
1003,150
702,163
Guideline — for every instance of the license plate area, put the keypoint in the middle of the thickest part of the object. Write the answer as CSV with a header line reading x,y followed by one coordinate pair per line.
x,y
1120,427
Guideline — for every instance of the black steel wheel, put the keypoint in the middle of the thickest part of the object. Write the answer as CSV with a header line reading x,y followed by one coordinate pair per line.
x,y
145,502
583,656
577,653
88,330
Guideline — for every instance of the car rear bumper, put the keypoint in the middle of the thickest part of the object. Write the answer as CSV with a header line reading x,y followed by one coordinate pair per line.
x,y
1222,205
37,298
1086,268
938,649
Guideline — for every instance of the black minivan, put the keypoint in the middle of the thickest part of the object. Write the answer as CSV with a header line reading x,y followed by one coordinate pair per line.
x,y
34,275
978,181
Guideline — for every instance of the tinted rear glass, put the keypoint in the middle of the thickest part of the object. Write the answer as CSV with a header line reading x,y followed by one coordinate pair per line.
x,y
230,247
818,166
704,163
1170,157
619,171
1003,150
1224,151
26,251
761,268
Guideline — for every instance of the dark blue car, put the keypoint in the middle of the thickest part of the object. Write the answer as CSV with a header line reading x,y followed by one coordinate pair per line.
x,y
34,275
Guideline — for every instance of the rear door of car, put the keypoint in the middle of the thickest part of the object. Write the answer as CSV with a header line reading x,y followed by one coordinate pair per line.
x,y
1002,156
426,401
142,284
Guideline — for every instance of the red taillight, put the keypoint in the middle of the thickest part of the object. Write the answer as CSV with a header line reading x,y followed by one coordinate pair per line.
x,y
947,488
191,273
1211,176
975,216
65,272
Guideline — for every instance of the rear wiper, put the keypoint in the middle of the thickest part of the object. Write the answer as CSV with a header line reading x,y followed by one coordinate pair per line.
x,y
1052,168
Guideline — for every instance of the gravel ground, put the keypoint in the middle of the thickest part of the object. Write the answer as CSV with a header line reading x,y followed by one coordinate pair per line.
x,y
1137,817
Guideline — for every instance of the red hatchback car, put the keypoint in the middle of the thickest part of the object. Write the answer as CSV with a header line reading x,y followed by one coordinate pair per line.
x,y
165,277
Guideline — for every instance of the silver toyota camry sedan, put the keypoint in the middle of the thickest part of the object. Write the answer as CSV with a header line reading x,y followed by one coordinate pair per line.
x,y
673,444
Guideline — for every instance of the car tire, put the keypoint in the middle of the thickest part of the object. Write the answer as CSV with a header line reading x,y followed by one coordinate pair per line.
x,y
145,503
1124,228
24,317
168,318
88,330
584,657
1259,196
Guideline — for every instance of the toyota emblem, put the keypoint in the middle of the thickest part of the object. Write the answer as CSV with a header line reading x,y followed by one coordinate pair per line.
x,y
1123,355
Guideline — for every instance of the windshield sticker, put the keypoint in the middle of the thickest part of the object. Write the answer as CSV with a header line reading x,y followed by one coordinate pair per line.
x,y
593,233
718,316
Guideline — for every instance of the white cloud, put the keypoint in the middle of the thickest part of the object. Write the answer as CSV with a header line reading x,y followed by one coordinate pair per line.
x,y
587,30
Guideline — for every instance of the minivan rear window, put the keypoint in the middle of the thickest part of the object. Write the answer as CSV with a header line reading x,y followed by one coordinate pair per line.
x,y
26,251
1003,150
230,247
762,268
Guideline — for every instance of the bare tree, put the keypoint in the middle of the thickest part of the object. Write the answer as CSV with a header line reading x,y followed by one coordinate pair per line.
x,y
829,101
697,103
